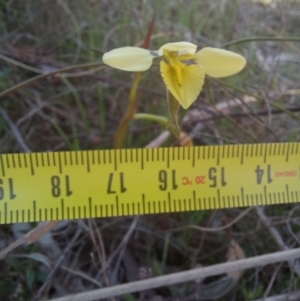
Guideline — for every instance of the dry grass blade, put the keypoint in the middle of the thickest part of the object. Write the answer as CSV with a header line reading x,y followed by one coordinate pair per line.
x,y
32,80
159,140
216,229
30,237
15,131
294,265
181,277
293,296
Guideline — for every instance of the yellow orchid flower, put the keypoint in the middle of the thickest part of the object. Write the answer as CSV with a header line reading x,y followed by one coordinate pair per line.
x,y
182,67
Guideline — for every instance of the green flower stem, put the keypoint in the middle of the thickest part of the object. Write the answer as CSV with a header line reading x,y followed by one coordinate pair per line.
x,y
42,76
130,111
174,107
132,99
260,39
161,120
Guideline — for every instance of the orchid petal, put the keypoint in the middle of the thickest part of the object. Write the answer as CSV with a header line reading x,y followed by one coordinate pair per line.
x,y
183,81
184,47
219,62
129,58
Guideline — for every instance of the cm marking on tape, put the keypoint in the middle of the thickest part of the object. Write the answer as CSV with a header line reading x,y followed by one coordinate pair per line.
x,y
106,183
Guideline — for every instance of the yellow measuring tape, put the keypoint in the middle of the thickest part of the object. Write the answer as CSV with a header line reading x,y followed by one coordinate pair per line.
x,y
104,183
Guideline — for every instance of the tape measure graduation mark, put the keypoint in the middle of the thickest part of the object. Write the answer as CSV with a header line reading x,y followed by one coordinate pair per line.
x,y
105,183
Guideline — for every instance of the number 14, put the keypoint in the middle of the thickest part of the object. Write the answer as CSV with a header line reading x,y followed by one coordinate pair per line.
x,y
260,172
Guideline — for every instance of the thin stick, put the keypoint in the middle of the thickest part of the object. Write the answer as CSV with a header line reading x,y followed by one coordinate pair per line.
x,y
216,229
19,64
30,237
15,131
57,265
181,277
261,39
99,248
41,76
277,237
293,296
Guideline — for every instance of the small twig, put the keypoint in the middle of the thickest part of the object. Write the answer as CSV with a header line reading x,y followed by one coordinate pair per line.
x,y
236,124
181,277
293,296
123,246
288,221
270,285
19,64
260,39
57,265
45,75
99,248
294,265
123,243
82,275
76,25
276,235
30,237
215,115
159,140
217,229
15,131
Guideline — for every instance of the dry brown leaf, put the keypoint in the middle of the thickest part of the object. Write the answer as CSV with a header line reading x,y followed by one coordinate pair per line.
x,y
185,139
235,252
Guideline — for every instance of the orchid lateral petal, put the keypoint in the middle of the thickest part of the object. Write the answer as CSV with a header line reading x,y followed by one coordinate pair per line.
x,y
184,47
183,81
219,62
129,58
